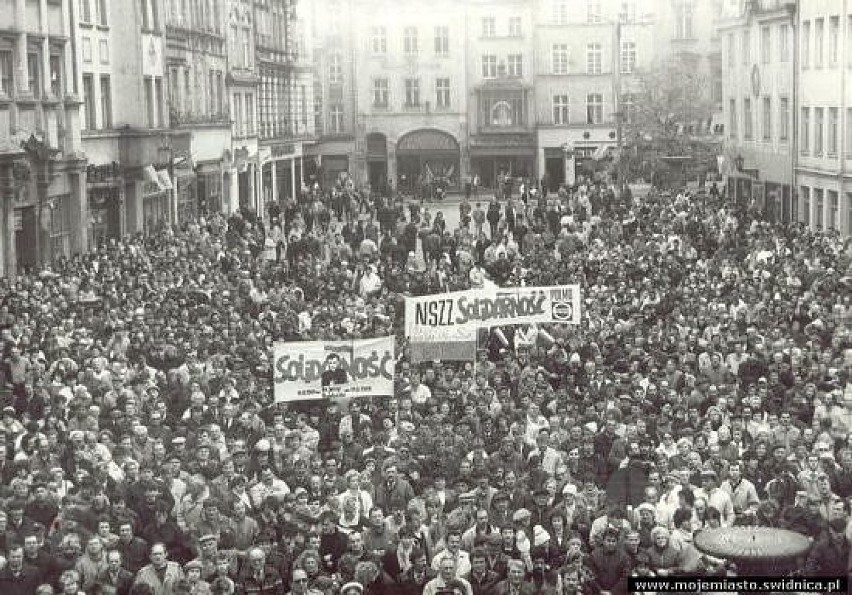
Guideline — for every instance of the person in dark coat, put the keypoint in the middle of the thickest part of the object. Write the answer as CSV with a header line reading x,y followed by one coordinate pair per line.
x,y
333,542
116,576
17,578
830,556
609,565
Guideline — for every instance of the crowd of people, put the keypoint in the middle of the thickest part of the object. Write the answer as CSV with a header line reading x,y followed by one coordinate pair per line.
x,y
707,386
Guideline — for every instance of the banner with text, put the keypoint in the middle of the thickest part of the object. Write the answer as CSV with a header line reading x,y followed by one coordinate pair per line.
x,y
334,369
444,326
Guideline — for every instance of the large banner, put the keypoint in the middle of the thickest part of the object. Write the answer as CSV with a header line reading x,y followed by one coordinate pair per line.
x,y
334,369
444,326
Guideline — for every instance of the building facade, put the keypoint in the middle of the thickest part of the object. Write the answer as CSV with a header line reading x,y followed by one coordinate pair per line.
x,y
824,88
411,100
285,96
240,179
42,188
587,62
759,105
196,58
520,88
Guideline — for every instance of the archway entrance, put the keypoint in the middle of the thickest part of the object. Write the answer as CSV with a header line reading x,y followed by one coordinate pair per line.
x,y
427,159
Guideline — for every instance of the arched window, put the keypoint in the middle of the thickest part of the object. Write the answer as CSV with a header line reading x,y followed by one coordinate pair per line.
x,y
501,114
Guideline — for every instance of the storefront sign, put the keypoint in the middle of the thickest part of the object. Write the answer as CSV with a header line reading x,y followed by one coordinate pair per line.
x,y
334,369
445,326
282,150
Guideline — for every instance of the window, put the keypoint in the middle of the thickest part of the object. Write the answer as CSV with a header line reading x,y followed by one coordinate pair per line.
x,y
767,119
409,41
174,90
146,17
106,102
560,109
160,98
806,44
86,10
560,12
848,143
442,41
628,57
516,65
249,113
89,112
783,119
103,51
102,13
380,92
730,49
819,33
336,117
412,92
515,27
379,40
627,14
683,19
335,69
849,48
489,66
746,47
628,105
849,211
593,11
56,88
833,210
35,74
783,42
805,140
732,115
489,27
818,208
765,45
833,40
832,131
593,58
560,58
818,131
806,205
7,80
594,108
442,92
748,132
238,113
87,50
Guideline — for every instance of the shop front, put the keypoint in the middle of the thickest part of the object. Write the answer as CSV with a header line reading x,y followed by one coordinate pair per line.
x,y
497,158
104,186
426,158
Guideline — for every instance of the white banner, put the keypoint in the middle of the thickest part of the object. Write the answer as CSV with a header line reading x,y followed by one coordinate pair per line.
x,y
334,369
444,326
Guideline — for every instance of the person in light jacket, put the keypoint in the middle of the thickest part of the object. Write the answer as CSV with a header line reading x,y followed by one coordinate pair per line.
x,y
160,574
